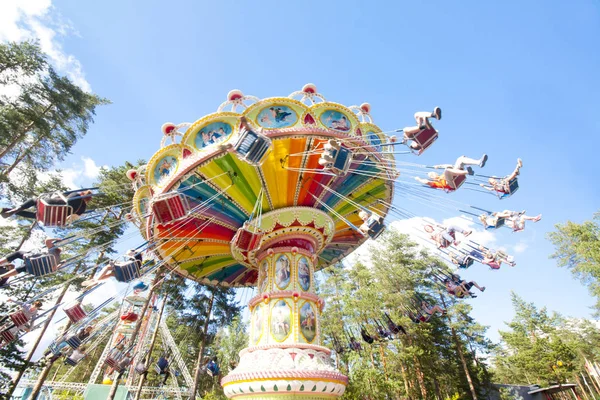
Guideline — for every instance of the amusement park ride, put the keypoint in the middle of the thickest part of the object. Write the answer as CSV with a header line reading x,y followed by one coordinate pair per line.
x,y
264,193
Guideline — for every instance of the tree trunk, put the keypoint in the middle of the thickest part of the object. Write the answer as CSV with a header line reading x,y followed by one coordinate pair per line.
x,y
19,136
27,151
461,354
147,358
134,335
420,377
46,370
49,317
405,379
201,352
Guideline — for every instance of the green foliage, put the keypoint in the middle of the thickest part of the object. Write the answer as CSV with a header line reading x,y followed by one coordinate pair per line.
x,y
46,115
578,249
543,348
422,364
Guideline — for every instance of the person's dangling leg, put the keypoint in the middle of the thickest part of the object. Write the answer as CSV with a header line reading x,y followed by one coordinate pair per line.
x,y
106,272
410,132
422,118
528,218
462,161
517,170
20,255
454,228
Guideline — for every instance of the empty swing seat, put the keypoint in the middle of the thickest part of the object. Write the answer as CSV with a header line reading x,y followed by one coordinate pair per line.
x,y
127,272
75,313
252,147
8,336
424,139
212,369
40,265
246,239
52,215
74,342
170,207
19,318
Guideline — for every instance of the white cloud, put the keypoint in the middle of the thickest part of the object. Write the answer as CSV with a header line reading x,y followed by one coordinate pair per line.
x,y
81,176
413,227
38,20
520,247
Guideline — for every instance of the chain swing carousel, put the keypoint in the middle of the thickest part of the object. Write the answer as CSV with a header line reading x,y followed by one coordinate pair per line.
x,y
266,193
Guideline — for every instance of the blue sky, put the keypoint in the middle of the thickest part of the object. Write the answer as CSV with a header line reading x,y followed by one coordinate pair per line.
x,y
514,79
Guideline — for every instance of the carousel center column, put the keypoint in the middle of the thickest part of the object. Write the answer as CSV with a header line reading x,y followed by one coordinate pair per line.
x,y
285,357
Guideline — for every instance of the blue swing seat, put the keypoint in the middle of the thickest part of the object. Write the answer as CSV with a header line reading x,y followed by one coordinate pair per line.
x,y
74,342
127,272
510,188
375,226
40,265
252,147
70,362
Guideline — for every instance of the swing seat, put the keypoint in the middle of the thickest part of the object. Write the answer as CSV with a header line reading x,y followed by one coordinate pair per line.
x,y
74,342
424,139
375,226
19,318
342,159
466,263
129,316
112,362
252,147
53,215
75,313
170,207
8,336
246,239
40,265
458,181
510,188
127,272
55,349
70,362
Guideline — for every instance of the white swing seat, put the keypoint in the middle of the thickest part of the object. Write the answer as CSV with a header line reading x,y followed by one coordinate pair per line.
x,y
424,139
247,239
170,207
75,313
252,147
40,265
53,215
19,318
127,272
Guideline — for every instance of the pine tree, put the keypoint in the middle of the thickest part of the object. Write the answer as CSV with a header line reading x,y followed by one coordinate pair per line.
x,y
578,249
46,116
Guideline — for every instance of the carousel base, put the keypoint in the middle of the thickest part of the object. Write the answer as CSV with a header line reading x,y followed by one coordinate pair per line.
x,y
273,372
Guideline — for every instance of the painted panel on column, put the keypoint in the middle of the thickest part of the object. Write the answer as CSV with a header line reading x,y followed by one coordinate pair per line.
x,y
308,322
282,272
281,321
303,273
263,276
257,324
